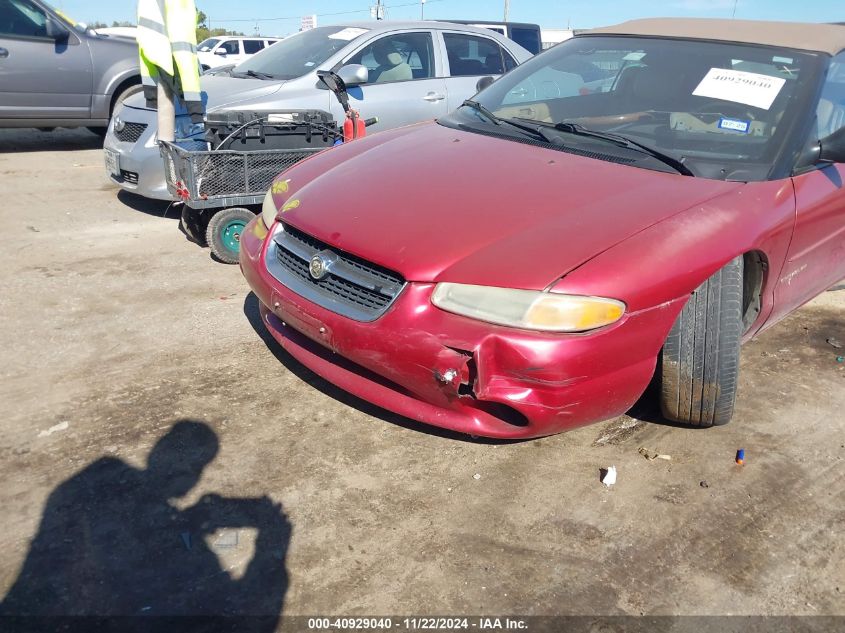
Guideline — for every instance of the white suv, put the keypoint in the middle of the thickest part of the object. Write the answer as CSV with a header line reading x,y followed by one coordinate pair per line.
x,y
219,51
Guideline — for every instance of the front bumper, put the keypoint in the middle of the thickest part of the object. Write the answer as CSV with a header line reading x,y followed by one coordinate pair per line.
x,y
457,373
141,164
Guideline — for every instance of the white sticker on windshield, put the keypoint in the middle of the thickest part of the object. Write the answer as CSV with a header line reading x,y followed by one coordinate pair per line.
x,y
739,86
349,33
634,57
735,125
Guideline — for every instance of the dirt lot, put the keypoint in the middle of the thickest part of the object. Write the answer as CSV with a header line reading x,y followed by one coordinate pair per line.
x,y
116,327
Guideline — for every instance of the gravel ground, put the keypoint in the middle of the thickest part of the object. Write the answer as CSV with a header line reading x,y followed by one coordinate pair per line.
x,y
296,496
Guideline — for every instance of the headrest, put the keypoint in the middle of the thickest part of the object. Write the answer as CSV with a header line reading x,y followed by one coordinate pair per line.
x,y
394,59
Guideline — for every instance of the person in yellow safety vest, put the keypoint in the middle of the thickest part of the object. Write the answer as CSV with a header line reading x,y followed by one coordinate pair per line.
x,y
167,43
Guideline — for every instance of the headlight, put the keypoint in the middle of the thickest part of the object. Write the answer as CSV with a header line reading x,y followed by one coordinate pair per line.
x,y
528,309
269,210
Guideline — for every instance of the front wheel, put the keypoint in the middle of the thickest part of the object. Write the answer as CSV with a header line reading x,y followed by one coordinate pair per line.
x,y
224,233
700,359
116,103
123,95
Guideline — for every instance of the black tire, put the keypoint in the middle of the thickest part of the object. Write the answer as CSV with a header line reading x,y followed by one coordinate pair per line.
x,y
700,359
119,99
123,95
224,232
194,225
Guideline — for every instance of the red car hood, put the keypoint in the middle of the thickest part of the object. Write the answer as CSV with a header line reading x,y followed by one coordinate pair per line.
x,y
438,204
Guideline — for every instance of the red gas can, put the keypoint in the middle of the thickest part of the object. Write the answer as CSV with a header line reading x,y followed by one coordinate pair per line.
x,y
353,127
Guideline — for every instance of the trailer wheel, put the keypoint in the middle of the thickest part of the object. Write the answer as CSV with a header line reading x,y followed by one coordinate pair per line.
x,y
224,233
194,224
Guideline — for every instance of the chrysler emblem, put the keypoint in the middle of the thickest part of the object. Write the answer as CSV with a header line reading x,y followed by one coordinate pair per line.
x,y
319,266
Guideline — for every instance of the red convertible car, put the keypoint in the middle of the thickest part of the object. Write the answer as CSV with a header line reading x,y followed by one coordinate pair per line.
x,y
629,206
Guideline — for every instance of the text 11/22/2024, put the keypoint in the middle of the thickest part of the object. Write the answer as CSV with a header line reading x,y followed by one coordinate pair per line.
x,y
417,624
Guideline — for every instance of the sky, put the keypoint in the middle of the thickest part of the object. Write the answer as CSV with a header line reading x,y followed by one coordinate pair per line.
x,y
282,18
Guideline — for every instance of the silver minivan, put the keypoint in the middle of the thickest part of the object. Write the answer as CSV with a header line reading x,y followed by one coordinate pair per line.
x,y
417,71
54,73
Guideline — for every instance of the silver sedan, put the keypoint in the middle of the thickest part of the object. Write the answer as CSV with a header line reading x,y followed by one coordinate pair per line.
x,y
417,71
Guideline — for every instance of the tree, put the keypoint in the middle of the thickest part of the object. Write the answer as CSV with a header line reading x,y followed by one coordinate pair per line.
x,y
203,32
96,24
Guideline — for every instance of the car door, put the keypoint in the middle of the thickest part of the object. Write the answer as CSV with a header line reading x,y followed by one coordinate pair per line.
x,y
816,258
45,68
470,57
405,83
232,48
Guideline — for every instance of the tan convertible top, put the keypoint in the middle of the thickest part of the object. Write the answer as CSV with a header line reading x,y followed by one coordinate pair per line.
x,y
824,38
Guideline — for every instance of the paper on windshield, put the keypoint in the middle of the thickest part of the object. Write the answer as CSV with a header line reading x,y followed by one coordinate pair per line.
x,y
349,33
752,89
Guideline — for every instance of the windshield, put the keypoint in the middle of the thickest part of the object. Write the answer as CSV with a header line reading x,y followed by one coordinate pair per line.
x,y
207,45
301,53
723,111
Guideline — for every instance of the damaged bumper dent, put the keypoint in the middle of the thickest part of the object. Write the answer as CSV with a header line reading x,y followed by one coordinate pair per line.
x,y
457,373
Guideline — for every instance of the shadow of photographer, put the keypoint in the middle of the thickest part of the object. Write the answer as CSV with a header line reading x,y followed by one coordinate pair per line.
x,y
112,543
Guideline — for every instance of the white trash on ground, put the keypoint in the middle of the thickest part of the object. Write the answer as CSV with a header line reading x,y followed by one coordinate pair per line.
x,y
61,426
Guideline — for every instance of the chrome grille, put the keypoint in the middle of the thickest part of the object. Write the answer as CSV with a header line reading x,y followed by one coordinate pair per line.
x,y
352,287
131,132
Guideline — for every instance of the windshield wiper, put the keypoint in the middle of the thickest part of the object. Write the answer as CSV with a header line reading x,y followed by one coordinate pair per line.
x,y
537,131
574,128
624,141
483,110
259,75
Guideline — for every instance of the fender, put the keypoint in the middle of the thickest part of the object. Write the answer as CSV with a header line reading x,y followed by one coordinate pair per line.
x,y
115,61
670,259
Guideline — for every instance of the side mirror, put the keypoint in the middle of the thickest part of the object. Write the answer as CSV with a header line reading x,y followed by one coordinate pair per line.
x,y
57,32
832,148
483,83
353,75
221,51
